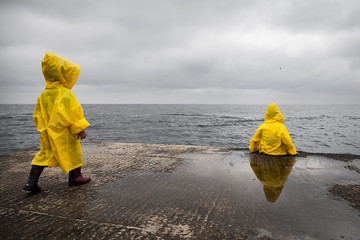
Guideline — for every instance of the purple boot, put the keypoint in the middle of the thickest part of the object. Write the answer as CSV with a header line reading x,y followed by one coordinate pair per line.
x,y
75,177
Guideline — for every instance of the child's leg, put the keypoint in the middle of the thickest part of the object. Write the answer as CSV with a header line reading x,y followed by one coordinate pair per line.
x,y
32,182
75,177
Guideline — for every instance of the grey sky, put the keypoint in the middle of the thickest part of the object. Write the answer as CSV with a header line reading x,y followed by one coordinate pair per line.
x,y
209,51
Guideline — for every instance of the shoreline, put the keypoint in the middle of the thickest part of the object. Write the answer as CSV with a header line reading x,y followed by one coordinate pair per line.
x,y
335,156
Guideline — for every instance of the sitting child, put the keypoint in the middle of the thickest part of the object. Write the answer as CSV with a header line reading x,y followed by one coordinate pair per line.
x,y
272,137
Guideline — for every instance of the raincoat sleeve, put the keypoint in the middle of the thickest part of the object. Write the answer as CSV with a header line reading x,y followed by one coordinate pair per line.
x,y
255,141
286,140
71,112
38,118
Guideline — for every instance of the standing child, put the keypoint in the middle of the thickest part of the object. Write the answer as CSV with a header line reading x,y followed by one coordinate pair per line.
x,y
59,119
272,137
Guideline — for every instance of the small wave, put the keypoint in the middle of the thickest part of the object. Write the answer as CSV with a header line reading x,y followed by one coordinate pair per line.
x,y
341,135
228,117
250,120
243,119
185,115
6,117
228,124
315,117
204,125
352,117
308,118
164,121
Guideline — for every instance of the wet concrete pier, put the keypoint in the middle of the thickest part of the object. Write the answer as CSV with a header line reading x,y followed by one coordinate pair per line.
x,y
144,191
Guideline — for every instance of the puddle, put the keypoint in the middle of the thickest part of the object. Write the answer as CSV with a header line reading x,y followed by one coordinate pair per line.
x,y
235,195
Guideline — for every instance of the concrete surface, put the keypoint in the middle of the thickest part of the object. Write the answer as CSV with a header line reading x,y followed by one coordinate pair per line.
x,y
144,191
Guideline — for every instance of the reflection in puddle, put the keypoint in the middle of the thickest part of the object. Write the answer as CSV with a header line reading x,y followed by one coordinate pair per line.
x,y
222,195
272,172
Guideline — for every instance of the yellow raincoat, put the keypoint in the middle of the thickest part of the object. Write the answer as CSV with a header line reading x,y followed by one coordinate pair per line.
x,y
272,137
58,116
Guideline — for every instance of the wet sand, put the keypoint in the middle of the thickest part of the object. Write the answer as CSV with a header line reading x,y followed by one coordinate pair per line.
x,y
144,191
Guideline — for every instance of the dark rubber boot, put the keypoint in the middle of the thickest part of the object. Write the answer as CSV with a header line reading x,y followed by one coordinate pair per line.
x,y
75,177
32,182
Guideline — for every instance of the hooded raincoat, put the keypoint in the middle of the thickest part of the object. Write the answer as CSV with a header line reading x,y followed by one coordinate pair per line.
x,y
272,137
58,116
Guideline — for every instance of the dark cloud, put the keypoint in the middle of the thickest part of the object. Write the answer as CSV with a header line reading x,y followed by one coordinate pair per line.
x,y
318,16
175,51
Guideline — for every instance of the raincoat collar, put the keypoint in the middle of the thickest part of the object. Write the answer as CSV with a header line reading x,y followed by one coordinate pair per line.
x,y
59,72
273,114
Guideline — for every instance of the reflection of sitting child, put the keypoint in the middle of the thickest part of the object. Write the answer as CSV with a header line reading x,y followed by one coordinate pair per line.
x,y
272,137
272,172
60,121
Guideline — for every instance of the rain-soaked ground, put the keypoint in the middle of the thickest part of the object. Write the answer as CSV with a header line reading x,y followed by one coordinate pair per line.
x,y
181,192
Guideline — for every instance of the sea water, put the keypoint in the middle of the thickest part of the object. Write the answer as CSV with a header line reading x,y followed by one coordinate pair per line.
x,y
313,128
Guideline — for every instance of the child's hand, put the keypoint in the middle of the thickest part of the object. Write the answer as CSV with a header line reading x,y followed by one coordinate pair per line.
x,y
81,135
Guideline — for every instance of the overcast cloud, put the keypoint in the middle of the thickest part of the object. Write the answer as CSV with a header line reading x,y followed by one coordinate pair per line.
x,y
205,51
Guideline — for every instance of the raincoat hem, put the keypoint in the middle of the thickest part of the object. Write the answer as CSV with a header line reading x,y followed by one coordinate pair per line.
x,y
72,168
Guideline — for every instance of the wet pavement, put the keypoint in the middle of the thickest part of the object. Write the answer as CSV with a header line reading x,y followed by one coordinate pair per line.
x,y
143,191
